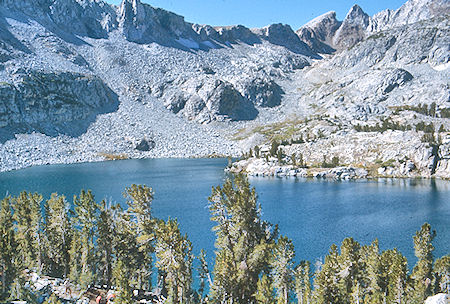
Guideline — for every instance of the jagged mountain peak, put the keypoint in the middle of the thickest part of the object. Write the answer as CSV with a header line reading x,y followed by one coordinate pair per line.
x,y
318,33
352,29
356,15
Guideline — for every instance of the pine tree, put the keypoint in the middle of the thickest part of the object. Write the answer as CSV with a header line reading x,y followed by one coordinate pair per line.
x,y
8,249
422,272
396,276
274,148
300,160
243,241
174,257
280,156
28,219
122,283
75,253
204,275
442,274
58,232
257,152
105,243
293,159
374,273
86,214
303,288
350,268
264,291
326,288
283,269
126,248
139,199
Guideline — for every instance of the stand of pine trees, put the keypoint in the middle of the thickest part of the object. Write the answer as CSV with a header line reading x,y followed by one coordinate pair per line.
x,y
93,243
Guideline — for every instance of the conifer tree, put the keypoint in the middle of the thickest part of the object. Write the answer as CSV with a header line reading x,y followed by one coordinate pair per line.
x,y
8,249
265,291
274,148
28,219
303,288
75,254
442,274
280,156
396,276
243,241
139,199
126,248
174,257
122,283
204,275
257,152
86,214
374,273
326,288
58,231
283,269
422,272
105,243
350,271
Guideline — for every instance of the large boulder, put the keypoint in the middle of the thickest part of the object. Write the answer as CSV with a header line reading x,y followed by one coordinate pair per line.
x,y
440,298
261,91
394,79
209,99
145,145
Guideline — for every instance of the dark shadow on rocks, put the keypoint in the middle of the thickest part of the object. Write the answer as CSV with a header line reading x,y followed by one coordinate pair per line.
x,y
53,103
8,39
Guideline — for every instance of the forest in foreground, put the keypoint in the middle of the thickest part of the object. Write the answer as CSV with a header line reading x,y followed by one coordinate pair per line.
x,y
126,249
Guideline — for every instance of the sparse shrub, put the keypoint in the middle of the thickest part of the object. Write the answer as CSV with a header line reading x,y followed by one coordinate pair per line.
x,y
445,113
428,138
421,126
298,140
385,125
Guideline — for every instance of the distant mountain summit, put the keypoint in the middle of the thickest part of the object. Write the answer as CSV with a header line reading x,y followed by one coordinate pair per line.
x,y
325,33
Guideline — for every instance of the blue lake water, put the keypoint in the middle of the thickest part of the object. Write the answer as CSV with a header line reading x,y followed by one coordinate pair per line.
x,y
314,214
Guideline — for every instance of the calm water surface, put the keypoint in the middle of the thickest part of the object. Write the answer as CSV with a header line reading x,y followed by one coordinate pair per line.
x,y
314,214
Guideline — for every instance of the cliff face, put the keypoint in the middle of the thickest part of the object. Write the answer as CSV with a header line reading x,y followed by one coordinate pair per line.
x,y
52,103
111,76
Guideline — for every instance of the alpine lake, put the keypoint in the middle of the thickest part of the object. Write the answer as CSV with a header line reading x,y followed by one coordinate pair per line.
x,y
313,213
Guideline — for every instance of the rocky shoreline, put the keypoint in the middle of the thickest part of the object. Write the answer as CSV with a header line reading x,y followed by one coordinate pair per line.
x,y
393,154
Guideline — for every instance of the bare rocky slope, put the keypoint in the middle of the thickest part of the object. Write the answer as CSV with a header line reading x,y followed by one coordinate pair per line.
x,y
82,80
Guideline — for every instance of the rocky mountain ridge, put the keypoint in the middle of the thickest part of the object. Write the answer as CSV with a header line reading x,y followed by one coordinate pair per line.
x,y
123,74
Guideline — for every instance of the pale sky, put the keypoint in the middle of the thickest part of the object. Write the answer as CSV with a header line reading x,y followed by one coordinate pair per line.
x,y
259,13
